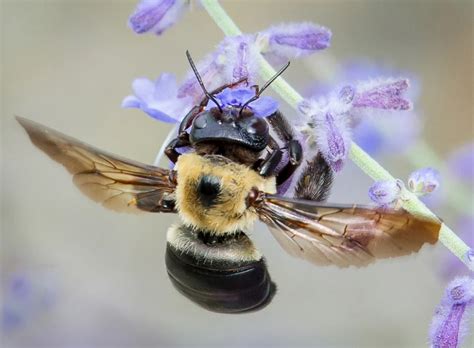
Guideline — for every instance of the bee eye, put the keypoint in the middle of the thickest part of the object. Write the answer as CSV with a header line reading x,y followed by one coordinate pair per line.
x,y
257,126
208,189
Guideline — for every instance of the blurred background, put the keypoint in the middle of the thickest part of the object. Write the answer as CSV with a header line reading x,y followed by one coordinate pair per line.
x,y
76,275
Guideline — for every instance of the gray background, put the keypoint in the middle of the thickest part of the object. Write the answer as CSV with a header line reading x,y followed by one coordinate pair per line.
x,y
68,64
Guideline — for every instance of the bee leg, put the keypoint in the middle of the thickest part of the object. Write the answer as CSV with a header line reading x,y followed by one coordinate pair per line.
x,y
281,126
315,181
295,153
267,166
286,134
188,120
180,141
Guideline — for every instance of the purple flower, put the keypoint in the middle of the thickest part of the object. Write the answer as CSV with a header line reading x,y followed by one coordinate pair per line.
x,y
378,130
236,57
385,192
293,40
262,107
327,126
384,94
239,58
158,99
25,297
423,181
461,163
449,323
156,15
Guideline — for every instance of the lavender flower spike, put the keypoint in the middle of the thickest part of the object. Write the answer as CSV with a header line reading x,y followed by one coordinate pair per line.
x,y
384,94
385,192
449,323
158,99
293,40
156,15
423,181
328,126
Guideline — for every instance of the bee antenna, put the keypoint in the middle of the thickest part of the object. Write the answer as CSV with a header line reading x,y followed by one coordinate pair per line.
x,y
265,86
198,77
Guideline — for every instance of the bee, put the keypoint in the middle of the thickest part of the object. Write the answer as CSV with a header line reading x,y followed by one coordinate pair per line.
x,y
221,189
209,257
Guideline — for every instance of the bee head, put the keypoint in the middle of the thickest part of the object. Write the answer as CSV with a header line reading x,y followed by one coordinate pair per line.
x,y
232,127
212,192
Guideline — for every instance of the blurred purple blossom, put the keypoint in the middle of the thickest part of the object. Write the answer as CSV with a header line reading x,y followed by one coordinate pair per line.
x,y
385,192
262,107
423,181
449,324
156,15
386,94
158,99
328,123
24,296
391,132
293,40
461,162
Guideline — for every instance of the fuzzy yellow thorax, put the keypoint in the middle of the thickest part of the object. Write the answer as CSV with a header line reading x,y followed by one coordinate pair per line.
x,y
230,213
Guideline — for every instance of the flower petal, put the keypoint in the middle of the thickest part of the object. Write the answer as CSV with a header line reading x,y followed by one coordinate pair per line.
x,y
144,89
131,102
264,106
385,192
165,87
156,15
159,99
294,40
159,115
382,94
424,181
239,58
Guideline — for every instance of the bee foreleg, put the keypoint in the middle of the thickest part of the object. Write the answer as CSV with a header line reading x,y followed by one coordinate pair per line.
x,y
295,154
174,144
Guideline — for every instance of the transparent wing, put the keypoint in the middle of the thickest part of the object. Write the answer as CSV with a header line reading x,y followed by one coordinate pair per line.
x,y
344,235
117,183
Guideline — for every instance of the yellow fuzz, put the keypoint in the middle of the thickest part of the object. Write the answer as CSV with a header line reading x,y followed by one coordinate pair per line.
x,y
230,214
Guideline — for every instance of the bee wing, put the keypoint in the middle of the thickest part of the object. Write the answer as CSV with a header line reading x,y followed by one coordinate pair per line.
x,y
117,183
344,235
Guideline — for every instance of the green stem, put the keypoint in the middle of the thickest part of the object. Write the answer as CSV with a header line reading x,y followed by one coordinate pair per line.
x,y
357,155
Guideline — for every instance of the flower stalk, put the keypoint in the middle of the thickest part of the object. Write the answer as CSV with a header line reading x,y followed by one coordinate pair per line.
x,y
364,161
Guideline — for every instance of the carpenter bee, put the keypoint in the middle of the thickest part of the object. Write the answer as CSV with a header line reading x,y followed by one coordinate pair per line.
x,y
221,188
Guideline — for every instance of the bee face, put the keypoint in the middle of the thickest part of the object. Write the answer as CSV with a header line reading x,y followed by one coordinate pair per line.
x,y
212,192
